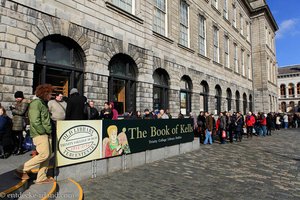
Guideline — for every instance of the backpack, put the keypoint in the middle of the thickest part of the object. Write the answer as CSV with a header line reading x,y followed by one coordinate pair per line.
x,y
27,143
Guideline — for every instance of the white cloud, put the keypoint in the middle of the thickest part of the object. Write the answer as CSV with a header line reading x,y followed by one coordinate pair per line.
x,y
287,27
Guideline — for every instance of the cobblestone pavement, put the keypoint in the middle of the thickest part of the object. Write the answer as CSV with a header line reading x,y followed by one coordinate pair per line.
x,y
257,168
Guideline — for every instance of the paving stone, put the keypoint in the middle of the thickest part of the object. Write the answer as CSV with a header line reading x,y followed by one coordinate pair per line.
x,y
257,168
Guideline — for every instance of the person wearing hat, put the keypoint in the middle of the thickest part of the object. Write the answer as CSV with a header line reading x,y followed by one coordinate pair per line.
x,y
18,110
76,106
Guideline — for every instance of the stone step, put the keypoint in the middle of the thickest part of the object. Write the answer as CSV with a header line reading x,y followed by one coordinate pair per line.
x,y
69,189
39,191
11,186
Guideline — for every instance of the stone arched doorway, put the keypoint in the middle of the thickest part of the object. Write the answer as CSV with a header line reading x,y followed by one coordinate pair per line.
x,y
60,62
160,89
122,83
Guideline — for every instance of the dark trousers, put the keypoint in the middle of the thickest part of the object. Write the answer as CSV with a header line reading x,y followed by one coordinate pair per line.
x,y
269,131
18,139
1,149
238,135
249,131
231,132
53,135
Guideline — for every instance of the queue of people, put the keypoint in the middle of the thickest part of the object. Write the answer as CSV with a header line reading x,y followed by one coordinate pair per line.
x,y
226,127
232,127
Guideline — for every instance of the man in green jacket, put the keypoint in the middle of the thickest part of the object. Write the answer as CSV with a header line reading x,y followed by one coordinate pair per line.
x,y
40,131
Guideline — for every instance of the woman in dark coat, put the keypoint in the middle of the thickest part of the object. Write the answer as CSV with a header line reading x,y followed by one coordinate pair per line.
x,y
5,126
19,110
76,105
270,124
239,127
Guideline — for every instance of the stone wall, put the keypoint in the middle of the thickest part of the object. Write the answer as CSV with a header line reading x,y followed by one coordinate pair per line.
x,y
102,31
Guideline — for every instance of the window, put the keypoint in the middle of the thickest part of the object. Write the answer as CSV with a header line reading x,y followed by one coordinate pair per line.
x,y
237,101
160,17
202,36
291,90
59,62
283,106
160,89
225,9
229,99
250,103
249,66
236,64
242,24
267,33
122,83
204,95
126,5
269,39
271,71
248,31
244,103
234,17
184,24
298,89
185,95
215,3
243,62
216,44
218,99
268,70
226,51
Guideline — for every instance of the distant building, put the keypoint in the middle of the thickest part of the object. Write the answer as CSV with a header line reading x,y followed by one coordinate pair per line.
x,y
289,88
178,54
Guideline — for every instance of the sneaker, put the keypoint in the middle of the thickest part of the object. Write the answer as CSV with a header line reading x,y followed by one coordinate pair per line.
x,y
21,175
46,181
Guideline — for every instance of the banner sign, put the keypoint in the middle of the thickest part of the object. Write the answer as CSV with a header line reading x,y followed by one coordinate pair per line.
x,y
132,136
84,140
78,141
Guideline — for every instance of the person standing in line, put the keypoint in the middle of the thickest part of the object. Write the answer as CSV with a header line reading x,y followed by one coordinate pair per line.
x,y
147,114
168,113
269,124
238,127
106,113
263,124
209,128
278,123
40,131
250,121
93,114
76,106
18,110
286,121
162,114
57,108
222,127
5,126
114,111
201,126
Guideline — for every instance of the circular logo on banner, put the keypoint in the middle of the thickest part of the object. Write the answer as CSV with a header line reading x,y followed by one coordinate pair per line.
x,y
78,142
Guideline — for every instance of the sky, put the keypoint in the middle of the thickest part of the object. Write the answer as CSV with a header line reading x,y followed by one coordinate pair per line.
x,y
287,16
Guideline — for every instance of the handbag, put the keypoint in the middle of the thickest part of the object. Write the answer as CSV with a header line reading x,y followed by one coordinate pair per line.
x,y
223,134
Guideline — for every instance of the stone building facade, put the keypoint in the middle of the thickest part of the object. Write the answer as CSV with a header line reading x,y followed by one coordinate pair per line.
x,y
184,55
289,88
